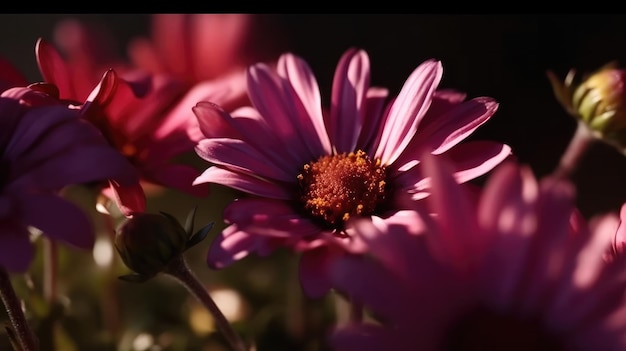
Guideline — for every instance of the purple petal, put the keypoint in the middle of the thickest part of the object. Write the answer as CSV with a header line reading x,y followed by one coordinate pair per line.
x,y
16,250
364,337
58,219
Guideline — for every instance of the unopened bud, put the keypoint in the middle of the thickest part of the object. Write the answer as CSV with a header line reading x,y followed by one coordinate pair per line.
x,y
599,101
149,242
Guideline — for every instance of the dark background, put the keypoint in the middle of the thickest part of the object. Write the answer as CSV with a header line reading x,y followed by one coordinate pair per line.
x,y
503,56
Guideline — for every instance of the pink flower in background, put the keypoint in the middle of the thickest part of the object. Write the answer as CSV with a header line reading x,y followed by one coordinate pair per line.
x,y
148,113
521,270
310,172
133,115
45,146
202,47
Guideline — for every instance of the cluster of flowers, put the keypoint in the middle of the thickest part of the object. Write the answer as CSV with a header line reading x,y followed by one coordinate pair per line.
x,y
372,192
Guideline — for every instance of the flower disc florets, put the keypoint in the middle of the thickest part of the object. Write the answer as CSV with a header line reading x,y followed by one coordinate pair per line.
x,y
337,187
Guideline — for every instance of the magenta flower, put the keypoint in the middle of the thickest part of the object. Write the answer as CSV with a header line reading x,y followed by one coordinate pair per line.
x,y
45,146
517,270
134,115
310,171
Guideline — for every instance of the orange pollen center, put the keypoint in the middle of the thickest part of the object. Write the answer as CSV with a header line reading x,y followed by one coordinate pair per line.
x,y
337,187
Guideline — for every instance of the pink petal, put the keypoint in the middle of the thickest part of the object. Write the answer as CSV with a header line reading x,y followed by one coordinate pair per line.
x,y
350,84
363,281
373,118
228,91
314,271
229,246
214,122
408,109
459,238
269,217
475,158
53,68
239,155
305,103
217,42
507,214
458,124
619,244
130,199
58,219
276,103
244,182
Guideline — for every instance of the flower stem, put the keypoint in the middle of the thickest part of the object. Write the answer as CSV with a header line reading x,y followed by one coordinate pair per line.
x,y
578,146
109,297
50,256
179,270
25,335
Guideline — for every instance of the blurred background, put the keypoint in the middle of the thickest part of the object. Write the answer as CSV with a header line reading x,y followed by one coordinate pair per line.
x,y
502,56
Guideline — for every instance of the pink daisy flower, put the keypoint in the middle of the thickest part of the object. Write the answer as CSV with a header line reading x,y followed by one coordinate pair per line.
x,y
45,146
310,171
518,270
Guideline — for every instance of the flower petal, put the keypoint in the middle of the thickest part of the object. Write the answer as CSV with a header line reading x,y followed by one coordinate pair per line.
x,y
350,84
243,157
230,246
244,182
58,219
269,217
16,250
408,109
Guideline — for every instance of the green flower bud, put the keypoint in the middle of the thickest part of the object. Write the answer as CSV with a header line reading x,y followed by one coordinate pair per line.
x,y
598,101
149,242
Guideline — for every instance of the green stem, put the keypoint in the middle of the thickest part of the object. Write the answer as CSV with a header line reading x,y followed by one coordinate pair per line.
x,y
50,256
578,146
109,297
179,270
25,335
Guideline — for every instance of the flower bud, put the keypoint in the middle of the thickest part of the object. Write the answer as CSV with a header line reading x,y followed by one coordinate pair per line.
x,y
598,101
148,242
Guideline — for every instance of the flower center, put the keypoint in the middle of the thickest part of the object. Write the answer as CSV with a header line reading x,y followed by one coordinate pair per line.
x,y
483,329
337,187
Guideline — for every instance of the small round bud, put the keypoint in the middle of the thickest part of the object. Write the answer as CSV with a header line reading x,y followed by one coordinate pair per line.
x,y
599,100
148,242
